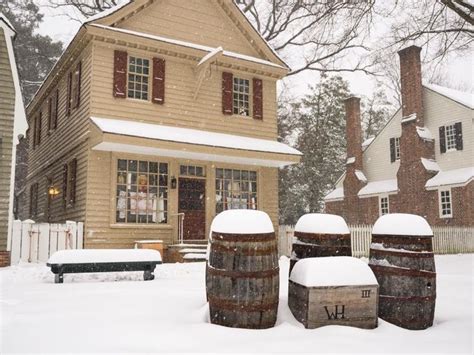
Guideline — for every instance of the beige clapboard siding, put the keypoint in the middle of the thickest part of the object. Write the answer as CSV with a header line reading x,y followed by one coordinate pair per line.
x,y
441,111
196,21
100,217
60,146
180,108
7,108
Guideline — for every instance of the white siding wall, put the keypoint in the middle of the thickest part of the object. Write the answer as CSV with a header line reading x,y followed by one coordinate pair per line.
x,y
439,111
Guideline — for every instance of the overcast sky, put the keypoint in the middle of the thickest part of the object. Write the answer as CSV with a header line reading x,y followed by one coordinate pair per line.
x,y
460,70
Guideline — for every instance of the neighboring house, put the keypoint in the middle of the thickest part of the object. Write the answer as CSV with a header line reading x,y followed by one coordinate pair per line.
x,y
422,161
157,109
12,125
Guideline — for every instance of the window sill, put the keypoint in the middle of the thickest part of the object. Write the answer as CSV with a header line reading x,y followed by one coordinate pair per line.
x,y
446,217
139,226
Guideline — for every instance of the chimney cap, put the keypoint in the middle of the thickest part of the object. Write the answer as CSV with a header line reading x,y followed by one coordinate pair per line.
x,y
409,49
352,98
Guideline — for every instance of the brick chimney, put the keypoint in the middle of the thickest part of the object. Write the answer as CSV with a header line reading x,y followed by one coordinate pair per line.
x,y
412,175
354,179
353,131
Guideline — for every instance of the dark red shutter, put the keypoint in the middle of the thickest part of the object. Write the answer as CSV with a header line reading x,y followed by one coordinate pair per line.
x,y
257,99
35,129
458,129
227,93
158,81
442,140
120,74
72,193
69,93
65,169
78,74
56,110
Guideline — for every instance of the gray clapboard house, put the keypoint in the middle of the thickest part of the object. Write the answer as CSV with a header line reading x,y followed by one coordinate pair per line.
x,y
12,124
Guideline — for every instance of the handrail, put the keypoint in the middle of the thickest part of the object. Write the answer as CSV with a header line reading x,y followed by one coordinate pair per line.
x,y
180,227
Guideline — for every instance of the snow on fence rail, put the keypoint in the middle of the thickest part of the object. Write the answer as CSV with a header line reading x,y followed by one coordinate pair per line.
x,y
447,240
36,242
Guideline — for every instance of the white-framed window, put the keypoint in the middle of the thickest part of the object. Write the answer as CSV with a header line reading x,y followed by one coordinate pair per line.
x,y
397,148
141,192
241,96
192,170
450,135
236,189
138,78
445,204
384,205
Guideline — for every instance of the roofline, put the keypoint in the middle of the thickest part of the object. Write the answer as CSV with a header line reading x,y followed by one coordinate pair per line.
x,y
4,19
449,98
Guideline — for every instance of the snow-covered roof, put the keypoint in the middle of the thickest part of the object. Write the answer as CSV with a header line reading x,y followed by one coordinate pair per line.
x,y
451,177
335,195
424,133
191,136
464,98
430,165
189,45
110,11
332,271
379,187
402,224
360,176
367,142
322,223
79,256
242,222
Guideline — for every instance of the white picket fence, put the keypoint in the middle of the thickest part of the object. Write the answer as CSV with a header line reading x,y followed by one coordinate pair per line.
x,y
36,242
447,240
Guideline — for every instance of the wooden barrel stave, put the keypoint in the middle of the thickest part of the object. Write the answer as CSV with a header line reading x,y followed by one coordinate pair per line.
x,y
242,281
405,270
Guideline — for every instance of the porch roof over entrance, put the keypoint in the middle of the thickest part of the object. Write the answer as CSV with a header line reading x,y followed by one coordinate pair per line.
x,y
177,142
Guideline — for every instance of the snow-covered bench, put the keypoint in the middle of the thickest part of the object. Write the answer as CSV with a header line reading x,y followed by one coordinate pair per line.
x,y
104,260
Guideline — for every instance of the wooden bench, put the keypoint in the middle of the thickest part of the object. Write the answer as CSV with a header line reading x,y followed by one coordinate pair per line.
x,y
103,260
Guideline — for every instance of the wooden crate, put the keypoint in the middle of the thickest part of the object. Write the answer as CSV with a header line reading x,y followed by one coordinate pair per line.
x,y
355,305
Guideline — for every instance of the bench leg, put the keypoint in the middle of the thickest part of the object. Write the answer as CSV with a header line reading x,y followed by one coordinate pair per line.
x,y
148,275
58,278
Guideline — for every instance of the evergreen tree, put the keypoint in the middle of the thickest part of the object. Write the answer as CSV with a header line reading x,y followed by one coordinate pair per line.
x,y
318,129
35,54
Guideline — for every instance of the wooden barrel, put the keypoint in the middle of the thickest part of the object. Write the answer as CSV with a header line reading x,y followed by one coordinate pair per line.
x,y
403,263
242,280
320,235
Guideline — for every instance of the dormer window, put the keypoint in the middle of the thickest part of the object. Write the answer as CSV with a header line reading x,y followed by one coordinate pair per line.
x,y
241,93
138,78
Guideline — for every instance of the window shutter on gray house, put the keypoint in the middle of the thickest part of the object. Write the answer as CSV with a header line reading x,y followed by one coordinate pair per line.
x,y
392,150
56,109
78,74
65,169
69,93
442,140
72,193
158,81
257,99
458,128
227,93
120,74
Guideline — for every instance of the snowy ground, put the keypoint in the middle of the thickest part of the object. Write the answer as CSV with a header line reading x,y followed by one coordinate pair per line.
x,y
120,313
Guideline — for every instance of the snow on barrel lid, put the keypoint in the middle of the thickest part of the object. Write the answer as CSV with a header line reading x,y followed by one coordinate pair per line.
x,y
402,224
332,271
242,222
322,223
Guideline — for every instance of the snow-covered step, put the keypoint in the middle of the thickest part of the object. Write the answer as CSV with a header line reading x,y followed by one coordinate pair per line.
x,y
192,257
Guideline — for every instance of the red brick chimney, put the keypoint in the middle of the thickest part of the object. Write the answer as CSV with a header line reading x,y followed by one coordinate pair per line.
x,y
353,131
354,179
412,175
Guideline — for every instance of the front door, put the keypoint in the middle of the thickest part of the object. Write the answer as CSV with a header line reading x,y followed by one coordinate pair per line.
x,y
192,202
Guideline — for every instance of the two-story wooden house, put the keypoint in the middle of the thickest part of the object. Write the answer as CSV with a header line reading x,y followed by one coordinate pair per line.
x,y
421,162
12,125
158,109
